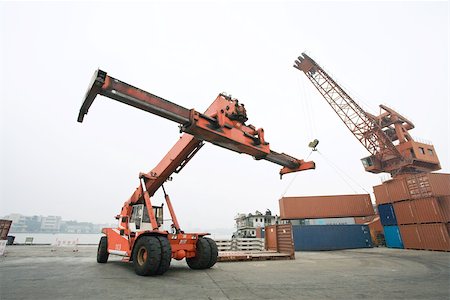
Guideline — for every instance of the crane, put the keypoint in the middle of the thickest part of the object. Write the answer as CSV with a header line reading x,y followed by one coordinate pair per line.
x,y
386,136
139,237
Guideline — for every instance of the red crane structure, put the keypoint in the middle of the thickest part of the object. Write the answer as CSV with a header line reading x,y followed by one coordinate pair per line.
x,y
139,236
385,136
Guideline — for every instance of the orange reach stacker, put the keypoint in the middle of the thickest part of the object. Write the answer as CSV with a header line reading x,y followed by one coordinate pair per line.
x,y
139,236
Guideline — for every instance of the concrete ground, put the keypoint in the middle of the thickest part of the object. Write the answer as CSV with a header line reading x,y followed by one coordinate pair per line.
x,y
35,272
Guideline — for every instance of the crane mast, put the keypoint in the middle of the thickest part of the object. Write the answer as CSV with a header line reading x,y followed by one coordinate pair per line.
x,y
376,133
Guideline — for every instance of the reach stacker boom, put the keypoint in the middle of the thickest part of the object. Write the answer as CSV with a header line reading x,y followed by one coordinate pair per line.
x,y
139,236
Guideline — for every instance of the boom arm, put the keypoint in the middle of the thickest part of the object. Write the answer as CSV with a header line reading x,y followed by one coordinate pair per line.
x,y
222,124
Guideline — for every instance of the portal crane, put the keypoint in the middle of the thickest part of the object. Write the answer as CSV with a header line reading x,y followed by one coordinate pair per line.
x,y
376,133
139,236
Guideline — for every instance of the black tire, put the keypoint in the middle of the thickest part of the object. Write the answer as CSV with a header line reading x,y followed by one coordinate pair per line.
x,y
202,257
102,251
147,255
214,252
166,255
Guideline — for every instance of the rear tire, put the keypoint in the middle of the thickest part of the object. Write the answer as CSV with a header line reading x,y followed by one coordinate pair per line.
x,y
102,251
166,255
206,255
147,255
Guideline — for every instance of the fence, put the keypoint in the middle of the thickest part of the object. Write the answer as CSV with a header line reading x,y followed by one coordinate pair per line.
x,y
241,244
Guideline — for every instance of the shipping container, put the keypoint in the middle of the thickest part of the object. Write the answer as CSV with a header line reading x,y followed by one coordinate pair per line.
x,y
428,210
331,237
411,237
381,194
392,237
5,225
319,207
279,238
435,236
387,214
428,185
414,186
375,227
444,203
405,212
425,210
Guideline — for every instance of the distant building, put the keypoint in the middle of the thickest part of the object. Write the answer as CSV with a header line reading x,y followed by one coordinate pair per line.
x,y
50,223
53,224
248,225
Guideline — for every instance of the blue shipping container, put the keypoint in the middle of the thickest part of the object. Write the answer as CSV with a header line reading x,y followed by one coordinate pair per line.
x,y
393,237
387,214
331,237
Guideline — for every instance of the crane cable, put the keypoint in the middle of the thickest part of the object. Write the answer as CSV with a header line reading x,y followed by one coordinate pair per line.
x,y
340,172
293,178
308,111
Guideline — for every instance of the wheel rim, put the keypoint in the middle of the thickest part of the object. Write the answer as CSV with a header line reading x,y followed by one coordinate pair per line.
x,y
142,256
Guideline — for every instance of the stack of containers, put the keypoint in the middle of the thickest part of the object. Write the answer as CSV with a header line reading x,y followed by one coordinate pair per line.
x,y
415,211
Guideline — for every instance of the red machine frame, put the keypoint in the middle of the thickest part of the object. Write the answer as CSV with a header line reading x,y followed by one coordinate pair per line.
x,y
222,124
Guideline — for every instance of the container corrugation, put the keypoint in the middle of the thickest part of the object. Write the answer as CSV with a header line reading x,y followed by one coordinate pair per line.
x,y
428,210
279,238
444,203
411,237
318,207
435,236
424,210
429,185
398,190
285,239
404,212
381,194
413,187
331,237
270,237
393,237
5,225
387,214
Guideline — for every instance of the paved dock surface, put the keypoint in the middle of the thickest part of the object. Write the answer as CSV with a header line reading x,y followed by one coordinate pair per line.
x,y
36,272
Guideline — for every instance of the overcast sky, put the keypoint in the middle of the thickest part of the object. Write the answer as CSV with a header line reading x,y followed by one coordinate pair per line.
x,y
393,53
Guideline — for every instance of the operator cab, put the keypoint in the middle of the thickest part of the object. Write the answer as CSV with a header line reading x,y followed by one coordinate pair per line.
x,y
140,220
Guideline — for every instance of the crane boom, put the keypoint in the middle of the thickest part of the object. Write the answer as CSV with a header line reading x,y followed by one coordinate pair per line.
x,y
376,133
361,124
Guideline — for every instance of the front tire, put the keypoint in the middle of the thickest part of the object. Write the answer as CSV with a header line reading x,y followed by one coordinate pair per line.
x,y
166,255
206,255
147,255
102,251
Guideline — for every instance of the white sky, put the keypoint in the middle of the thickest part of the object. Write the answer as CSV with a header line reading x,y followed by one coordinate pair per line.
x,y
395,53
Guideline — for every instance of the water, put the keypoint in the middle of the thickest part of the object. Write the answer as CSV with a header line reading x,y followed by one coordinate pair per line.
x,y
83,238
50,238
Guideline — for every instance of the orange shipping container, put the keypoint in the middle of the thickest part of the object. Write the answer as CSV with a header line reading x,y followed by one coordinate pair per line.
x,y
444,203
381,194
426,236
405,212
435,236
410,237
318,207
412,187
428,210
